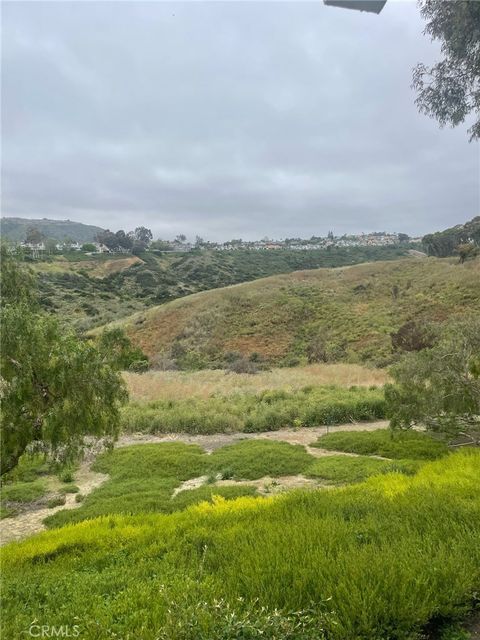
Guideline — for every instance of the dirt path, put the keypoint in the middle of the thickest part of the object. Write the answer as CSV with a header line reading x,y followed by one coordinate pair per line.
x,y
30,522
26,524
305,436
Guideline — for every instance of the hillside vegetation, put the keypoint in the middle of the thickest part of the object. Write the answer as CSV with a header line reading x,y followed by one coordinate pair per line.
x,y
93,290
152,477
266,411
14,229
444,243
374,561
345,314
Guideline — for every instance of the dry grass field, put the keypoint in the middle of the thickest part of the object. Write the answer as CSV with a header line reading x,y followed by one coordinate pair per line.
x,y
95,267
179,385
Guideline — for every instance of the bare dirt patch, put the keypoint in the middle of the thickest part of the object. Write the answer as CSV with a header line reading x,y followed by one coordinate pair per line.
x,y
188,485
30,522
304,436
268,486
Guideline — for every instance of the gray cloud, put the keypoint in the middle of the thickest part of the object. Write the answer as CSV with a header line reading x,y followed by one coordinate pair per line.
x,y
226,120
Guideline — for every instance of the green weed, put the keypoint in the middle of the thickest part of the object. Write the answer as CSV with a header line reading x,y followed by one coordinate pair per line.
x,y
383,442
23,491
266,411
58,501
348,469
71,488
377,560
253,459
143,477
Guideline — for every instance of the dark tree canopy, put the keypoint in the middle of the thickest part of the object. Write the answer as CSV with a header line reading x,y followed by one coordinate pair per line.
x,y
108,238
445,243
413,336
34,236
120,352
124,240
450,90
143,236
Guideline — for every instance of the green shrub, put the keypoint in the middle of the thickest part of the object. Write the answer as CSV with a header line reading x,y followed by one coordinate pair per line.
x,y
72,488
30,467
346,469
67,476
6,512
138,366
207,493
23,491
266,411
143,477
252,459
56,502
385,443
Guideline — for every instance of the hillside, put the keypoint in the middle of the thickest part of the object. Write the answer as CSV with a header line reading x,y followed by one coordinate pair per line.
x,y
14,229
94,290
330,314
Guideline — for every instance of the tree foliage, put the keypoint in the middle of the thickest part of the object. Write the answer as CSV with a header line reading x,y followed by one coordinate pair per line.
x,y
142,236
445,243
134,241
440,387
450,90
412,336
55,388
34,236
467,251
120,352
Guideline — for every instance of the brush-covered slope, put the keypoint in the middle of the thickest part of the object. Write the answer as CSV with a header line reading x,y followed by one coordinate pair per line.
x,y
94,290
332,314
15,229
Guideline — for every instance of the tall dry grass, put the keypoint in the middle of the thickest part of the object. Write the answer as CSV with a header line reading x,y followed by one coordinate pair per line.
x,y
180,385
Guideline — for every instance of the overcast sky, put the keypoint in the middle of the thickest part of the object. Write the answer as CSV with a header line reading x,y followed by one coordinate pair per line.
x,y
226,119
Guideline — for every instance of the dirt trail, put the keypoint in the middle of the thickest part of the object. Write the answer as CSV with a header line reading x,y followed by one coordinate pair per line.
x,y
26,524
30,522
304,436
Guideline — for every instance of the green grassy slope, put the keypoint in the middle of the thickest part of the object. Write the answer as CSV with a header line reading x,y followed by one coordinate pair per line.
x,y
374,561
408,444
143,477
98,289
351,311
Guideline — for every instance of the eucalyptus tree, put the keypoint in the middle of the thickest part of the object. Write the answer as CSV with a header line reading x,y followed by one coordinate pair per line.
x,y
449,91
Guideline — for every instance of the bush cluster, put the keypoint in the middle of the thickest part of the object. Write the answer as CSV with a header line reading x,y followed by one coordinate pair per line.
x,y
266,411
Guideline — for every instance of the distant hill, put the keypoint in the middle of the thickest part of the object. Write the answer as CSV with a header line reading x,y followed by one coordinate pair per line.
x,y
344,314
14,229
94,290
444,243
